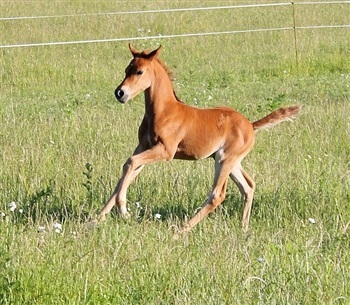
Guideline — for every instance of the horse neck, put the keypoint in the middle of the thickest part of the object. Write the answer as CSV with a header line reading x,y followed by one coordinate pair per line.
x,y
160,94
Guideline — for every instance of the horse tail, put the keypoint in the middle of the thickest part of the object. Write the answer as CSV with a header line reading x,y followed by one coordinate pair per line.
x,y
277,116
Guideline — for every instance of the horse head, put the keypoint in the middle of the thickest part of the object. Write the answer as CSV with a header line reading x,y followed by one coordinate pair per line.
x,y
138,74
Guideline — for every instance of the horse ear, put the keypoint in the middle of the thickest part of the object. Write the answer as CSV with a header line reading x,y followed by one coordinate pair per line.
x,y
133,50
154,53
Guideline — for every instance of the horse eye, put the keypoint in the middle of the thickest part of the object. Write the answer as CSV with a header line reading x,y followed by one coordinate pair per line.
x,y
139,72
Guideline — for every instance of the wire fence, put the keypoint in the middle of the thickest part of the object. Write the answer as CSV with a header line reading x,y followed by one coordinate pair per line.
x,y
292,27
178,10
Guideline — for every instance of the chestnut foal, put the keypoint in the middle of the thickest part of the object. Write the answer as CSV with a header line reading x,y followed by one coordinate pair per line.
x,y
172,130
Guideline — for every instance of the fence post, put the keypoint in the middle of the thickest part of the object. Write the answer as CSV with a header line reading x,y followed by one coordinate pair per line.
x,y
295,39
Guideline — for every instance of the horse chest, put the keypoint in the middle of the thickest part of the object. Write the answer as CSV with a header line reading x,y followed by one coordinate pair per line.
x,y
148,134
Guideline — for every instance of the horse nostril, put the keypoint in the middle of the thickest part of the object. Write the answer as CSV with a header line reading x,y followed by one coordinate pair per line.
x,y
120,93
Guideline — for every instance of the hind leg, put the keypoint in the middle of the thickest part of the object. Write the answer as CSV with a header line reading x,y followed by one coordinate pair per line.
x,y
222,170
246,186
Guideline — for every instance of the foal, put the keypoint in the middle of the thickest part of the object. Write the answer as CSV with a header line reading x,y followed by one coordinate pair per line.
x,y
172,130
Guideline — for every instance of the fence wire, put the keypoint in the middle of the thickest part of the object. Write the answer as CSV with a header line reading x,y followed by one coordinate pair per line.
x,y
160,36
173,10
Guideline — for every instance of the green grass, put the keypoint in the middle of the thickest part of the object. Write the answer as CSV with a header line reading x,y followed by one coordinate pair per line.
x,y
64,140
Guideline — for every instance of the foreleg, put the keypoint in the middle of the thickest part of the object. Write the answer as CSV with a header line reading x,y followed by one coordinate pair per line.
x,y
131,169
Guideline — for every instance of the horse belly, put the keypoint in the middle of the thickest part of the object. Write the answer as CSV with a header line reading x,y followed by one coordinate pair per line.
x,y
196,150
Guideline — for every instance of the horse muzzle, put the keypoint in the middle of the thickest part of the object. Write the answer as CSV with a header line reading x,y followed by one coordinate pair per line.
x,y
121,95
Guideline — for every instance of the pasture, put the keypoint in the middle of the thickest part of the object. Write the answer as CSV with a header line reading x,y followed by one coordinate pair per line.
x,y
64,139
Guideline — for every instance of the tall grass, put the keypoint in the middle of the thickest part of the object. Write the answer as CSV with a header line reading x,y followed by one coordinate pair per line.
x,y
64,139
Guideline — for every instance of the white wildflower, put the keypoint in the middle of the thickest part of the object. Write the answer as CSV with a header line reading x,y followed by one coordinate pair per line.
x,y
157,216
41,228
20,211
57,226
312,220
2,214
12,206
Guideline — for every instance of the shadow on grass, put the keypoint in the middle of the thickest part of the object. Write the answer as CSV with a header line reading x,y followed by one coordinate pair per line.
x,y
50,203
182,212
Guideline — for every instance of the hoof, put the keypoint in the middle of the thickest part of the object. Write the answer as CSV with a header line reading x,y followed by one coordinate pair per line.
x,y
181,233
94,222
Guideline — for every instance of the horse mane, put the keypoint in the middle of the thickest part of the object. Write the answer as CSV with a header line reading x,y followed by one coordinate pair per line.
x,y
170,75
144,54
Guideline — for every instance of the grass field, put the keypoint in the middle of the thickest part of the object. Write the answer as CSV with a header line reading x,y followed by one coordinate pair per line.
x,y
64,139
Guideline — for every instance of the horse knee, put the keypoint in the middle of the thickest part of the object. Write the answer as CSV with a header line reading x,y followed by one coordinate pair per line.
x,y
222,197
216,200
128,165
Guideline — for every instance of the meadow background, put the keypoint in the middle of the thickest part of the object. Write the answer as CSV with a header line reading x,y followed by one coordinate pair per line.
x,y
64,139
